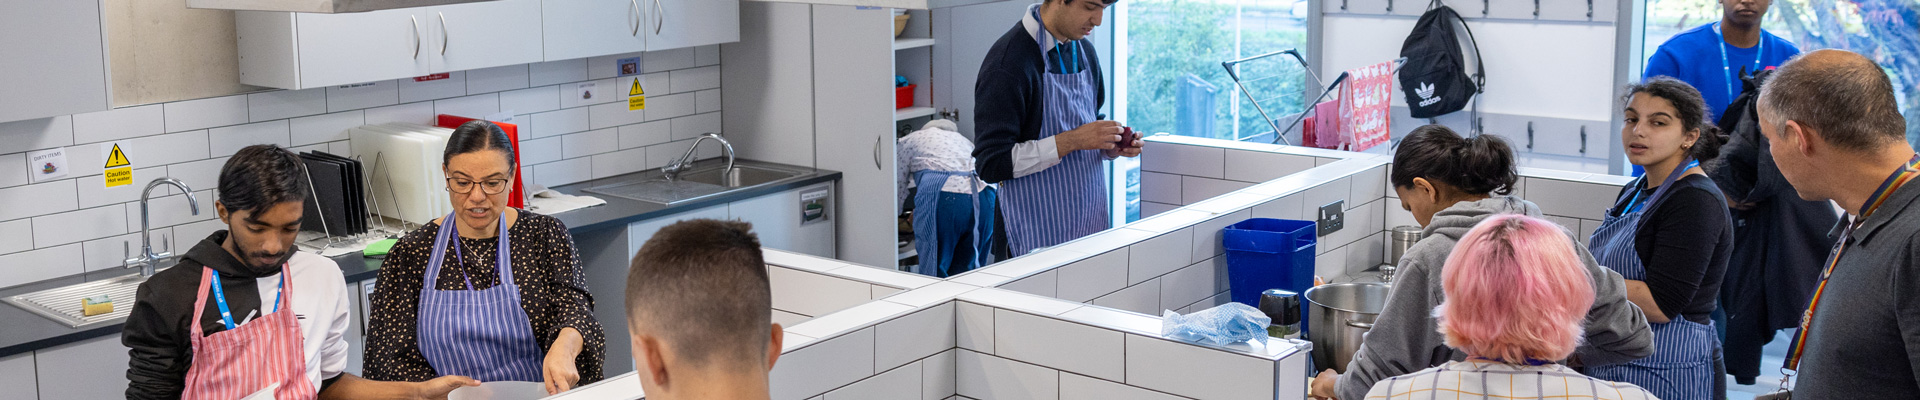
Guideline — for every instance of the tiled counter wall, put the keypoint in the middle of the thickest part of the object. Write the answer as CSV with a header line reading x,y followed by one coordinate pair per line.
x,y
805,286
1174,261
1575,200
988,343
73,225
1181,170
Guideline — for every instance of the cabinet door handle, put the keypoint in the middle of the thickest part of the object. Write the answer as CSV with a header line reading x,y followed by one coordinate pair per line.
x,y
443,33
416,35
633,10
876,151
660,14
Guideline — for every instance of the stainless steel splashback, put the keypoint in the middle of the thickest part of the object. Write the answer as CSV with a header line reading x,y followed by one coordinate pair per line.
x,y
319,6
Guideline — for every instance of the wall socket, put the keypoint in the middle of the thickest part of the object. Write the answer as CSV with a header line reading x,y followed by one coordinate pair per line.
x,y
1332,218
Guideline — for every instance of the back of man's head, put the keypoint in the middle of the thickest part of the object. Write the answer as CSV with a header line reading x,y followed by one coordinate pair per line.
x,y
1843,97
700,288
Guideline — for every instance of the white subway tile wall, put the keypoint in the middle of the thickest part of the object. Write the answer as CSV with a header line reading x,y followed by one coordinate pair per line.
x,y
76,224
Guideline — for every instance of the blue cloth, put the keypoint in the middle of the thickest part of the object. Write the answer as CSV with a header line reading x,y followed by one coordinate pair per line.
x,y
950,229
1068,200
1221,325
1684,362
1691,57
483,334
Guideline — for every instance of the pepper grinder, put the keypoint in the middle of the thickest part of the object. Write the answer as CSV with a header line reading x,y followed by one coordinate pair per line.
x,y
1283,307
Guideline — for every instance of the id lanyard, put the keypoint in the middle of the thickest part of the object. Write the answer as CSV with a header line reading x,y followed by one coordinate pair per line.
x,y
220,296
1636,194
1726,67
1899,177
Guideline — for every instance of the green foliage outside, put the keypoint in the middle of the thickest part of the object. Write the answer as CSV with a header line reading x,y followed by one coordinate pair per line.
x,y
1169,39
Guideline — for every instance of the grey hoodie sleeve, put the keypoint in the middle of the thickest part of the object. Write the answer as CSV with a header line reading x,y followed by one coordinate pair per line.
x,y
1404,338
1617,331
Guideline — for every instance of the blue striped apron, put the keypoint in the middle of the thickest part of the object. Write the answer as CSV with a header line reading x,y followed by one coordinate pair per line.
x,y
483,334
1681,367
1068,200
936,257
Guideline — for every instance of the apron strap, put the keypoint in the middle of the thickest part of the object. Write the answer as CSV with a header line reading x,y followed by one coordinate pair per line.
x,y
448,234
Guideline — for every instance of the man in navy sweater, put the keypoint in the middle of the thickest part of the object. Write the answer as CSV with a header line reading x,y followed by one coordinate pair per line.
x,y
1038,133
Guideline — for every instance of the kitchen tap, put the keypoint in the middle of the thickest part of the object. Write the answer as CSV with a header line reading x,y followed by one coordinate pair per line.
x,y
147,258
686,159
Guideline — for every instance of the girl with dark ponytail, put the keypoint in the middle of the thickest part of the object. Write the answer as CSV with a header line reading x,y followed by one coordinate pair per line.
x,y
1669,234
1451,184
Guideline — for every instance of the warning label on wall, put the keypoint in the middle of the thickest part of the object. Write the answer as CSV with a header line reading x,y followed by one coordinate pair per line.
x,y
119,171
636,97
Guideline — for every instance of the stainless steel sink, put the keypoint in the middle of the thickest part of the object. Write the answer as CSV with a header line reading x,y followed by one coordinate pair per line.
x,y
63,304
739,176
699,182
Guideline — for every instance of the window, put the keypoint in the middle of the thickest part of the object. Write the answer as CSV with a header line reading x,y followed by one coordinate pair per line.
x,y
1883,30
1170,80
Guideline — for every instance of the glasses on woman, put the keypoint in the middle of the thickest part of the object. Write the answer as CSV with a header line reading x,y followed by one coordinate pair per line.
x,y
464,186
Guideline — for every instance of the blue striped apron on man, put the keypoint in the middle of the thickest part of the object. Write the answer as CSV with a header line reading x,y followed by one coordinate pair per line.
x,y
483,334
1068,200
1681,366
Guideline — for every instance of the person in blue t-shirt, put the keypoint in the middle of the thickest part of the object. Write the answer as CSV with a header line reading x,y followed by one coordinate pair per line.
x,y
1711,57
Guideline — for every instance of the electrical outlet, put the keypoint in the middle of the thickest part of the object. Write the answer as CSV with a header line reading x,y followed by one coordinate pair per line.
x,y
1332,218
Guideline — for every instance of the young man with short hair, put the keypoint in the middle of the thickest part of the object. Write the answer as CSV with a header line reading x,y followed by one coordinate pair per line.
x,y
245,313
700,313
1833,125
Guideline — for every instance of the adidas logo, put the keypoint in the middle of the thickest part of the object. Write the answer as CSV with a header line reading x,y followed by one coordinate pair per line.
x,y
1426,94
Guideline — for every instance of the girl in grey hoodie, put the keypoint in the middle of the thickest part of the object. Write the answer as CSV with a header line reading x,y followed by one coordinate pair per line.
x,y
1450,184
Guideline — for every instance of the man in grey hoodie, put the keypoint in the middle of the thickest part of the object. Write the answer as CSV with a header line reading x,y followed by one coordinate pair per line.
x,y
1405,338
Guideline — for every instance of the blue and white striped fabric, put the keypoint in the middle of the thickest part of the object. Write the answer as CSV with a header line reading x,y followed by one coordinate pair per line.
x,y
1068,200
1681,366
483,334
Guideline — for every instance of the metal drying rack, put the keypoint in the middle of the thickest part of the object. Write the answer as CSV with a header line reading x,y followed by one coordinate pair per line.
x,y
1279,134
375,214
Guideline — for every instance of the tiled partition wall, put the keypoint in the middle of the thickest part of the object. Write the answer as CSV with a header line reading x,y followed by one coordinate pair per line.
x,y
1184,170
1174,261
1575,200
76,224
950,340
806,286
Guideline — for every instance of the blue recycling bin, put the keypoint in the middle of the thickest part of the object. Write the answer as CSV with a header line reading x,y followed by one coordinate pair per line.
x,y
1266,253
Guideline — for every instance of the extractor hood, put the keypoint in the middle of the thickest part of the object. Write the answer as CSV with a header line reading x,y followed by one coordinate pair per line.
x,y
318,6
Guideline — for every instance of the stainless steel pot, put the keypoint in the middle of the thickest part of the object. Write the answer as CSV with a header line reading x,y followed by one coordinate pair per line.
x,y
1403,237
1339,316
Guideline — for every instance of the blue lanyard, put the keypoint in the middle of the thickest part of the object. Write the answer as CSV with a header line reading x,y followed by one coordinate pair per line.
x,y
1726,67
1063,55
220,296
1637,192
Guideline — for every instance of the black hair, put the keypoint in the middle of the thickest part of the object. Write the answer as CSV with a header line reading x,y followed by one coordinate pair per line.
x,y
478,135
262,176
1478,165
1693,113
701,285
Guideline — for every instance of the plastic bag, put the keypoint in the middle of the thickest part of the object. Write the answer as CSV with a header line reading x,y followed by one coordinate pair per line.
x,y
1224,324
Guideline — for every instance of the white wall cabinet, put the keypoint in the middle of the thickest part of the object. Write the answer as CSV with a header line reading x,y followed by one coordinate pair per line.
x,y
586,28
53,61
302,50
687,23
487,34
299,50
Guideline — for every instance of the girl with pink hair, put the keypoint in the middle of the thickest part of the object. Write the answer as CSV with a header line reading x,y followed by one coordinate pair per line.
x,y
1516,298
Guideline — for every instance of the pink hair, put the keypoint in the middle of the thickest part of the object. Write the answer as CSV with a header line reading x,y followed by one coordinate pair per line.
x,y
1515,290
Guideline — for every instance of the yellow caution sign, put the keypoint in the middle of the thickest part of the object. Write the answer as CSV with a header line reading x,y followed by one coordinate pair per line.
x,y
636,97
117,158
119,171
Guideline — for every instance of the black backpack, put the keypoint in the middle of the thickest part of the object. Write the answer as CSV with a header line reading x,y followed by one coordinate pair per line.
x,y
1434,79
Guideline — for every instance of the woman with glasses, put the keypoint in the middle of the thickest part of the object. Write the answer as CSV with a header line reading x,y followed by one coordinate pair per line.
x,y
488,291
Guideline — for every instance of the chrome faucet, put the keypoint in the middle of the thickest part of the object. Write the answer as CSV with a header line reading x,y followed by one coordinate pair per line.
x,y
147,258
686,159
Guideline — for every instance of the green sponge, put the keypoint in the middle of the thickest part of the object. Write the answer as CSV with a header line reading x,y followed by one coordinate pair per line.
x,y
379,248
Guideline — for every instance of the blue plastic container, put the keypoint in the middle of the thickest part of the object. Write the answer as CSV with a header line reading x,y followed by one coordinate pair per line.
x,y
1266,253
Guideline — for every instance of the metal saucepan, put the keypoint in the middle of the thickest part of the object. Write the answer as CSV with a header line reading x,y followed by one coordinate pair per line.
x,y
1338,318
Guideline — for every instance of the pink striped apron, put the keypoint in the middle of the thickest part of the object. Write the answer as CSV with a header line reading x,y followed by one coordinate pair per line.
x,y
238,362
